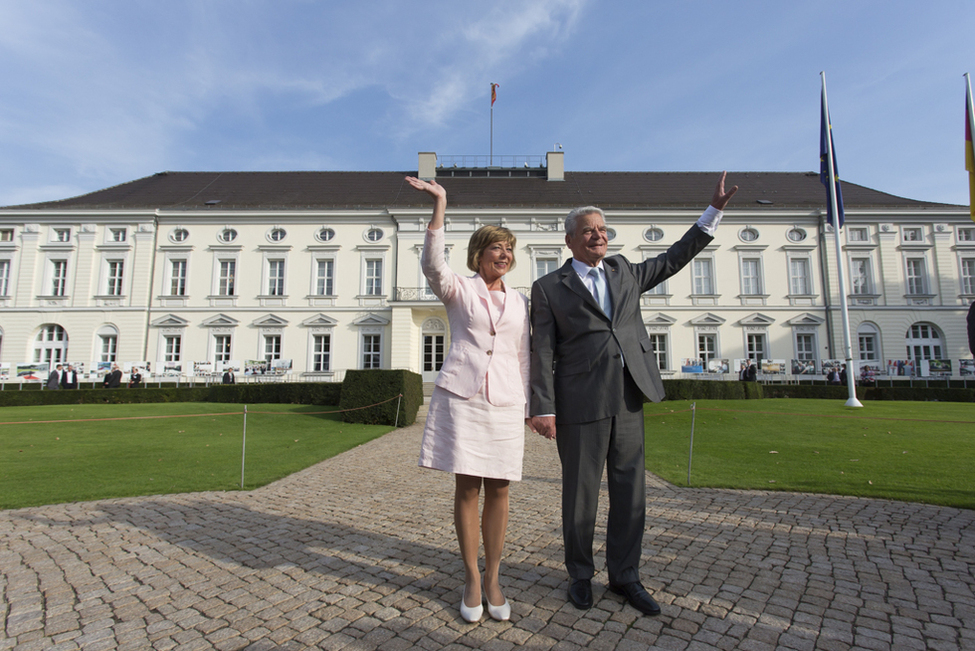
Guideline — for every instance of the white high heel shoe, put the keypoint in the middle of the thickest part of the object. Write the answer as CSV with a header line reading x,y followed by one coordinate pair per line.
x,y
500,613
471,614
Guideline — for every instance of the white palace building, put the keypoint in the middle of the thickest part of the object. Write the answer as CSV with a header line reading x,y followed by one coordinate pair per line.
x,y
319,272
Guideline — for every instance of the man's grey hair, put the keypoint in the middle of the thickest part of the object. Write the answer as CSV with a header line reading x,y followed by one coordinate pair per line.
x,y
573,217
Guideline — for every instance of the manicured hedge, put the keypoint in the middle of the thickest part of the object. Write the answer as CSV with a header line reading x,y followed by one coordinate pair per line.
x,y
365,388
735,390
302,393
712,390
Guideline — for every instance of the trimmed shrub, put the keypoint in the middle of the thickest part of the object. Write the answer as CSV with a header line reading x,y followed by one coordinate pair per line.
x,y
365,388
302,393
712,390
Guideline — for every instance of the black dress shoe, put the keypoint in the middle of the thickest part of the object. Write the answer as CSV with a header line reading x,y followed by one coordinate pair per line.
x,y
580,594
638,597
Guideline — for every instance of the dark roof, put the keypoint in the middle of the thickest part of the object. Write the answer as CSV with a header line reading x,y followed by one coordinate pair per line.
x,y
349,190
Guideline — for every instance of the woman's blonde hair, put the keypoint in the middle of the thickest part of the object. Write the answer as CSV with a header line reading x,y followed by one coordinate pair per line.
x,y
484,237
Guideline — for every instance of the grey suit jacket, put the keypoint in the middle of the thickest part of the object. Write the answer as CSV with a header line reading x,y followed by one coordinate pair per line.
x,y
576,370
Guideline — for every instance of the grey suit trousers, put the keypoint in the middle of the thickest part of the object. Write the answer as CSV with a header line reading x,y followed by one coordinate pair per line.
x,y
582,449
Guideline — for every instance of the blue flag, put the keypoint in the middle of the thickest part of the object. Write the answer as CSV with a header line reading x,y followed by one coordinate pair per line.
x,y
825,146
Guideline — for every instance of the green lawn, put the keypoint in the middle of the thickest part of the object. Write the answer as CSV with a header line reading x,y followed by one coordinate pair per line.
x,y
99,457
920,452
913,451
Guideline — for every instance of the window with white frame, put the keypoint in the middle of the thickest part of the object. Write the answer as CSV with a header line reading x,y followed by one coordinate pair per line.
x,y
325,277
59,277
116,235
703,276
321,353
867,339
4,277
108,344
966,234
115,271
275,277
751,276
374,277
748,234
915,276
805,346
658,344
172,348
545,265
371,351
6,235
923,342
433,352
912,234
856,234
653,234
177,278
860,276
796,235
51,344
225,286
272,349
221,349
755,346
799,281
967,275
62,235
707,348
658,289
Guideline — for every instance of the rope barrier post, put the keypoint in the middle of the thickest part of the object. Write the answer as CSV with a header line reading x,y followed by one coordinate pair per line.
x,y
243,448
399,399
690,454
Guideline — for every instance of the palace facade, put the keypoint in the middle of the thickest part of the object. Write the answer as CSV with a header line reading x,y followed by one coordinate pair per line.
x,y
205,269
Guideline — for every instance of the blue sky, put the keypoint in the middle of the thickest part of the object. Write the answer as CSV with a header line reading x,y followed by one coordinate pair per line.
x,y
96,93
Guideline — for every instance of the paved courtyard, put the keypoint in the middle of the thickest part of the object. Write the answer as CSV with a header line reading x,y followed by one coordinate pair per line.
x,y
358,553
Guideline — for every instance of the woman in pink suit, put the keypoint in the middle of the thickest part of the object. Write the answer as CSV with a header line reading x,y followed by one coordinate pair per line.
x,y
476,422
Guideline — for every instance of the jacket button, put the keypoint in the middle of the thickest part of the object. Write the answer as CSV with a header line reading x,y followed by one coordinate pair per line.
x,y
492,333
490,352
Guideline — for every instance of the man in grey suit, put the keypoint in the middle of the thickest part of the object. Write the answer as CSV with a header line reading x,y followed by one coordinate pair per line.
x,y
54,379
592,364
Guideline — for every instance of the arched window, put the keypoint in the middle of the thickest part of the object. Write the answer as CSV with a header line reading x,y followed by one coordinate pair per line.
x,y
107,343
434,348
923,342
868,342
51,344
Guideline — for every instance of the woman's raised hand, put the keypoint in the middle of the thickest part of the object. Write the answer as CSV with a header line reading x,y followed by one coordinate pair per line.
x,y
439,193
432,188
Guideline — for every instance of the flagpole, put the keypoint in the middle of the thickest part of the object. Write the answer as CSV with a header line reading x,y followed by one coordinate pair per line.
x,y
844,311
494,96
971,129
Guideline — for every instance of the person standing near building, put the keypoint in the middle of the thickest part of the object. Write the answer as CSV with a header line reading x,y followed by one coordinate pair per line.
x,y
592,365
113,379
476,421
70,378
54,379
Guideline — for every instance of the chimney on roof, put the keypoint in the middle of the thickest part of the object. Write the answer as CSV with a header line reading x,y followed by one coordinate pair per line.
x,y
427,168
556,165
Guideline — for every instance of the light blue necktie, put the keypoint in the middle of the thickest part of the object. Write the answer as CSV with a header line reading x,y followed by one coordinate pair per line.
x,y
599,291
